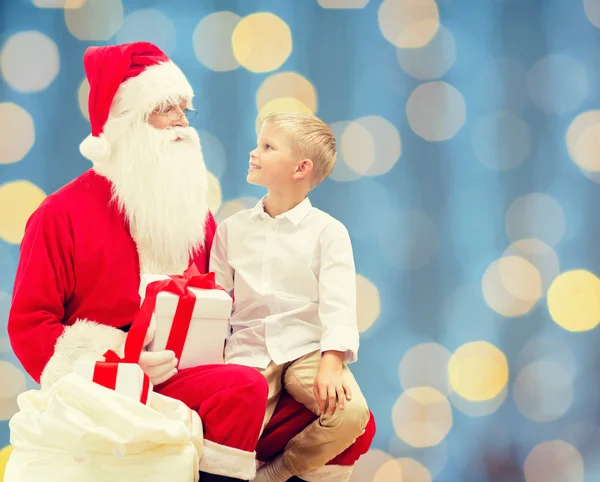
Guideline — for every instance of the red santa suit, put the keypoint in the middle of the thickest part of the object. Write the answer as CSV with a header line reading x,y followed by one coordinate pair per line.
x,y
76,288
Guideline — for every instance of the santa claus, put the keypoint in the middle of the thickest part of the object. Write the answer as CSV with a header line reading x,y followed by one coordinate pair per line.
x,y
142,208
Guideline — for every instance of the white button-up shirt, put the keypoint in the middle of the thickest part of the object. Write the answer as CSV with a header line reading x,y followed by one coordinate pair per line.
x,y
293,281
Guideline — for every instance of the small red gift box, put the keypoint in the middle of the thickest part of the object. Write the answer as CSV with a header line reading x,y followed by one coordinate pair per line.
x,y
125,378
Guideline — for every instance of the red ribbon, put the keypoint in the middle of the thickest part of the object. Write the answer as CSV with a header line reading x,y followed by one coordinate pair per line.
x,y
178,285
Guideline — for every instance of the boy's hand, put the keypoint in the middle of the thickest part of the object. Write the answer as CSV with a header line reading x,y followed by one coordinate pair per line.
x,y
329,387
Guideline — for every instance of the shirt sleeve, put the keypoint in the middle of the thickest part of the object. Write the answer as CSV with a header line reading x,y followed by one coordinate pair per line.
x,y
44,282
219,262
337,293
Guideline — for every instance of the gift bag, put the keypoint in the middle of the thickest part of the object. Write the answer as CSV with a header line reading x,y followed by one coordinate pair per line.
x,y
79,430
191,316
88,427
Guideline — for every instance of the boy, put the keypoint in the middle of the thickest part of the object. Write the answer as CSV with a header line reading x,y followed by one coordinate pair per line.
x,y
291,270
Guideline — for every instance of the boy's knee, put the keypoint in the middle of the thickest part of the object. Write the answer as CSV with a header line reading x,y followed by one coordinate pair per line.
x,y
353,419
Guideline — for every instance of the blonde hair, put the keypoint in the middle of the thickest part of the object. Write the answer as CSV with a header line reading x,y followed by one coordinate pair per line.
x,y
311,138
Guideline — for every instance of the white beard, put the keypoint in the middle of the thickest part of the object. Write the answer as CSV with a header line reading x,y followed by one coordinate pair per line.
x,y
161,187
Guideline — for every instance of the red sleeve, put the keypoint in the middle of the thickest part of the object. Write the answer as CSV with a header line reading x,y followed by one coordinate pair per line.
x,y
209,235
44,281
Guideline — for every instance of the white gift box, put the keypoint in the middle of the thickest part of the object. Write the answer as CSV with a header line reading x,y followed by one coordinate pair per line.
x,y
129,379
208,328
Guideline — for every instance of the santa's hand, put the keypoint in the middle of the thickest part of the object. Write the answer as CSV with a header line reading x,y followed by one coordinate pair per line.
x,y
158,365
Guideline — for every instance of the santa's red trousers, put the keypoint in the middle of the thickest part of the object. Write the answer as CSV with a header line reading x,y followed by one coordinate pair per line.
x,y
231,402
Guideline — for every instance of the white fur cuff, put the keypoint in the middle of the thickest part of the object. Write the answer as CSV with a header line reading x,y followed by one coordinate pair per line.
x,y
83,340
228,461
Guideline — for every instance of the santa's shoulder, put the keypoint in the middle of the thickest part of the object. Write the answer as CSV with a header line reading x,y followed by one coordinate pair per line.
x,y
87,187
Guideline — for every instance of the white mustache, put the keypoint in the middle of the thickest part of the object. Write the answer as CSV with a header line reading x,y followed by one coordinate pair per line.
x,y
186,133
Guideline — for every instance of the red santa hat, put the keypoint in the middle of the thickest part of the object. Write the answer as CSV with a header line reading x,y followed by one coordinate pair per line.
x,y
132,78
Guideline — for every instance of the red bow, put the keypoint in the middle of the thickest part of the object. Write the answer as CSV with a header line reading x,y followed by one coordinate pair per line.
x,y
178,285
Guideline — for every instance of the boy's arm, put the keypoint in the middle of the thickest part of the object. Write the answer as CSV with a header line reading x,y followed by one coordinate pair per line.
x,y
337,294
219,262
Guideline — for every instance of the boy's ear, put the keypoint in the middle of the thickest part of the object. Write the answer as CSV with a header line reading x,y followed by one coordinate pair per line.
x,y
303,169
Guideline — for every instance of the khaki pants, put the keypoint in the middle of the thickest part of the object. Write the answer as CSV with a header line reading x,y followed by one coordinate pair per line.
x,y
329,435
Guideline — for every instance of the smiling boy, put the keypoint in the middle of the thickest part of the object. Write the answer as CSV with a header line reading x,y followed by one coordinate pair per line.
x,y
290,268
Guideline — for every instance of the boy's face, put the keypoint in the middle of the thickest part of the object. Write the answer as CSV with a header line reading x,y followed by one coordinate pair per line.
x,y
272,163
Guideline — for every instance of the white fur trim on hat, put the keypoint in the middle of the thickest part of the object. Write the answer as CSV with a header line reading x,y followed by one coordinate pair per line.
x,y
157,84
96,149
84,340
228,461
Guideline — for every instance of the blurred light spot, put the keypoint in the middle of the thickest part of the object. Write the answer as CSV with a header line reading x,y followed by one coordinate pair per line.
x,y
409,23
583,140
537,216
368,464
83,94
511,286
409,241
148,25
371,145
368,304
501,141
422,416
58,4
540,255
546,348
214,192
436,111
557,84
478,408
235,205
426,365
341,171
13,384
95,20
18,200
4,456
432,60
592,10
281,104
17,133
554,461
262,42
213,153
543,391
433,458
478,371
402,470
29,61
501,85
287,85
343,3
212,41
574,300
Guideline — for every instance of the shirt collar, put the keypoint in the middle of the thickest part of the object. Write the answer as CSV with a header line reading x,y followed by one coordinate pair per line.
x,y
295,215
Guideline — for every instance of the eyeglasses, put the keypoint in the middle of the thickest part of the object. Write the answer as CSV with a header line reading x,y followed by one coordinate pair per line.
x,y
176,113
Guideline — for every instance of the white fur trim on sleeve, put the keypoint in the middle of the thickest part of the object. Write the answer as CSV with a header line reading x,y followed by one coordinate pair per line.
x,y
228,461
329,473
83,340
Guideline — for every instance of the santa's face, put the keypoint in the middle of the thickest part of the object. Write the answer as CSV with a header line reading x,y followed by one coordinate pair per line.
x,y
160,183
